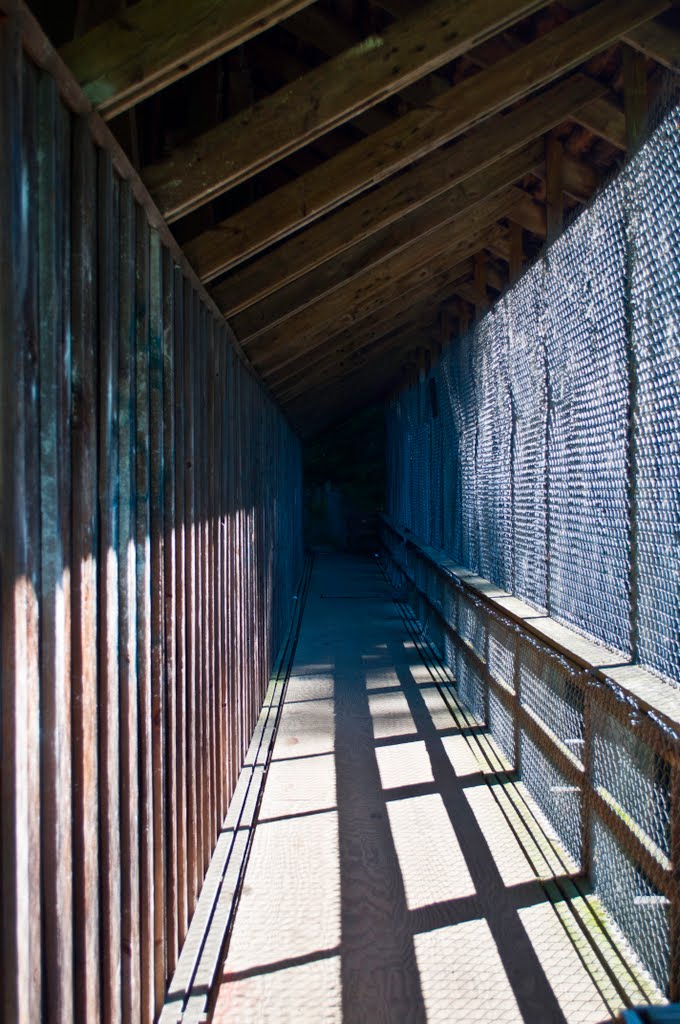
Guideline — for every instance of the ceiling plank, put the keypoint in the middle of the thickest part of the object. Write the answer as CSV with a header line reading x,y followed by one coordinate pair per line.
x,y
408,312
530,216
442,170
389,356
390,349
150,45
324,98
419,132
347,307
445,208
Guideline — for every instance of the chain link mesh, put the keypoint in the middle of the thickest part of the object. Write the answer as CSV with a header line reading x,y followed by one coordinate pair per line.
x,y
639,909
552,469
552,466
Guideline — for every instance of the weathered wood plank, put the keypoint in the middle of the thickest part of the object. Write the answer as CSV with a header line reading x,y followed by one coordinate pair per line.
x,y
324,98
131,56
634,96
55,518
605,118
516,234
411,307
181,533
416,134
447,208
386,351
554,193
442,170
190,601
108,694
170,616
84,580
157,612
127,618
143,552
657,40
20,543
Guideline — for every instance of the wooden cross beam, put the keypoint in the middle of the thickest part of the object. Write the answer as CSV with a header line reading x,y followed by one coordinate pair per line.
x,y
446,208
496,138
155,42
324,98
367,291
415,135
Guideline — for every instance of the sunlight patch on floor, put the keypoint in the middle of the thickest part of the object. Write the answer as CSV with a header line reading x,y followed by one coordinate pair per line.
x,y
391,715
404,764
432,864
463,978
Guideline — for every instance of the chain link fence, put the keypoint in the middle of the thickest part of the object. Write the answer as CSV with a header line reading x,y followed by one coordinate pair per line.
x,y
548,463
549,459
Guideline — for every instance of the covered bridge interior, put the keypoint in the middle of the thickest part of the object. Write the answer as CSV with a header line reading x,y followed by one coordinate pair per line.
x,y
339,510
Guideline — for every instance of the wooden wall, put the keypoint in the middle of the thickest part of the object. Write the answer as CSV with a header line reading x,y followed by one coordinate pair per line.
x,y
149,549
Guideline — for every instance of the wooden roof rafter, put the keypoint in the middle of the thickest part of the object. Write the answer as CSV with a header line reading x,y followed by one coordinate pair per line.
x,y
377,180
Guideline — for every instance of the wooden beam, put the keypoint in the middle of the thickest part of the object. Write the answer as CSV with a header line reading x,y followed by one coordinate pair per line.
x,y
368,291
480,292
634,95
447,208
406,314
388,350
324,407
579,180
554,197
410,306
604,117
516,250
324,98
531,216
331,36
414,136
482,146
155,42
657,40
410,297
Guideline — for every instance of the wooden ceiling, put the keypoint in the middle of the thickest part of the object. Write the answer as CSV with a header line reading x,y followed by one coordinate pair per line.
x,y
355,181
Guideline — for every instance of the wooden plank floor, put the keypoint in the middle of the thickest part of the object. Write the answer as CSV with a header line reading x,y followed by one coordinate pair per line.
x,y
385,882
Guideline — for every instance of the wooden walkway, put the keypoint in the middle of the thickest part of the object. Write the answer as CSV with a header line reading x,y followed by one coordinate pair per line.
x,y
388,880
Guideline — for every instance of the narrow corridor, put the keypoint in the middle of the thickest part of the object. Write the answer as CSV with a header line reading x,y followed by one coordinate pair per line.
x,y
394,872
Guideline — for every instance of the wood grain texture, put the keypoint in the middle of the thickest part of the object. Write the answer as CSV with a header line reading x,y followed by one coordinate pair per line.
x,y
20,535
385,244
94,889
55,520
127,612
324,98
133,55
419,133
371,289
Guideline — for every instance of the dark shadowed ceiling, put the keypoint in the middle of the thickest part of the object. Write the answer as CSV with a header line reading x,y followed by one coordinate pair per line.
x,y
355,181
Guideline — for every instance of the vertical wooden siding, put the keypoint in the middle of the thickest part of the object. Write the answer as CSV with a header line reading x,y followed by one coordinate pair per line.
x,y
149,549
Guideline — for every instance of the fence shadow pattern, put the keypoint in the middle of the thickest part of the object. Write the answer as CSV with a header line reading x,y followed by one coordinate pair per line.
x,y
603,769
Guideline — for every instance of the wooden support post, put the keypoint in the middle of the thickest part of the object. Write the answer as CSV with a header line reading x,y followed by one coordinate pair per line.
x,y
554,198
481,294
635,95
516,238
